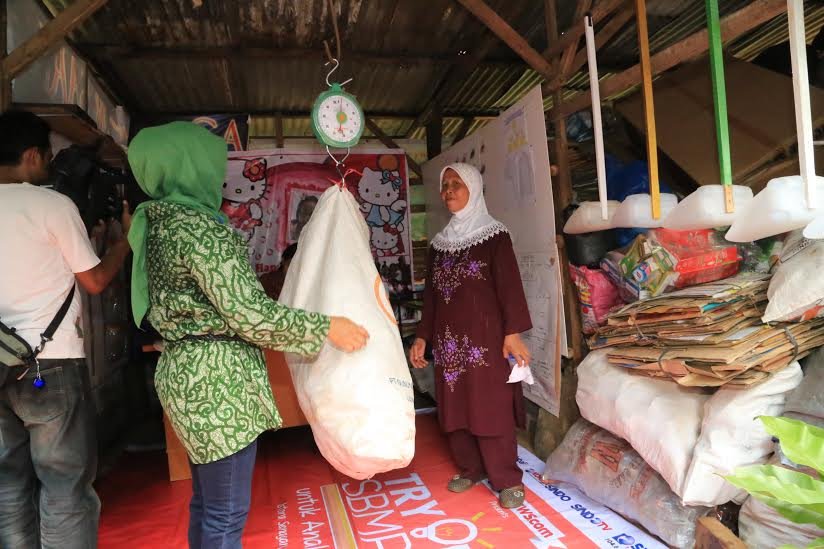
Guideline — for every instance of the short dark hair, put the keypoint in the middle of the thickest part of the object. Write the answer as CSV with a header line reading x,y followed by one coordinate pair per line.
x,y
19,132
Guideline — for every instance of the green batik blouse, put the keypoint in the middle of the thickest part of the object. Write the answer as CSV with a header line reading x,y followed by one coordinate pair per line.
x,y
216,393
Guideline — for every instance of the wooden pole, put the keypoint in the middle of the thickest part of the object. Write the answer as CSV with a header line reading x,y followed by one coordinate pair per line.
x,y
649,107
510,36
55,30
732,26
434,136
389,142
463,129
562,197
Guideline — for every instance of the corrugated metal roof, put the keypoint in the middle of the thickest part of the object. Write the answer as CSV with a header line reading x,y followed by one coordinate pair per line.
x,y
265,56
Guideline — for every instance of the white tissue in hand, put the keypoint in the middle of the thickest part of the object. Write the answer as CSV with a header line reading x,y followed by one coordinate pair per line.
x,y
521,373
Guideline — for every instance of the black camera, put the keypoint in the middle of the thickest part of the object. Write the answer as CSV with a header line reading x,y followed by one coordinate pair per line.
x,y
97,190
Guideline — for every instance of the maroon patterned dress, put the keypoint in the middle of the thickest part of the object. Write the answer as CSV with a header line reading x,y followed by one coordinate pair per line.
x,y
473,298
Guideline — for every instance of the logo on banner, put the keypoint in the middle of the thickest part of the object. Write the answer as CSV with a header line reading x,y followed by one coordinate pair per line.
x,y
234,129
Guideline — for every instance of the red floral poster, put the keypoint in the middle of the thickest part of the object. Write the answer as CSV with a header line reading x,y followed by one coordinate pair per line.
x,y
269,196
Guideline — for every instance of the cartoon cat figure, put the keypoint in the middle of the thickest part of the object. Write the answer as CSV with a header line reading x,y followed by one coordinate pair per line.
x,y
386,240
380,192
242,198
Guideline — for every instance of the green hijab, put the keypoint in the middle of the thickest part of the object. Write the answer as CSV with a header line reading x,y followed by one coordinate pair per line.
x,y
181,163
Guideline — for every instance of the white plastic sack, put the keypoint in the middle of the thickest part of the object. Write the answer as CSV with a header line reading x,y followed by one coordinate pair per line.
x,y
732,436
808,398
687,436
360,406
762,527
609,471
796,290
660,419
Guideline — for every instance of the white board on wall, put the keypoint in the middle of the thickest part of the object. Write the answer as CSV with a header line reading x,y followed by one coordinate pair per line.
x,y
511,152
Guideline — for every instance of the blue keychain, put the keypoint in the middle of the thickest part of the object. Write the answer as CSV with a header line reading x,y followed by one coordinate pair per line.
x,y
38,383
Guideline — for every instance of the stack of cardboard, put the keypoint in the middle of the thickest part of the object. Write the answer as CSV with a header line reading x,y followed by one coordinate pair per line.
x,y
706,336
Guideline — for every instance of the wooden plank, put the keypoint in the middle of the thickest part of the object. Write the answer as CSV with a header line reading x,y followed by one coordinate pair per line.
x,y
389,142
510,36
649,107
279,141
48,36
711,534
606,34
692,47
601,11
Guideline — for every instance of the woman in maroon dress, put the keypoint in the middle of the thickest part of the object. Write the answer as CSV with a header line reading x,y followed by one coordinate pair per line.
x,y
474,311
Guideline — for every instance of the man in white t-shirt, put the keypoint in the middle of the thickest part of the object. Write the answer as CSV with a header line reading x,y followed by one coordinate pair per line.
x,y
48,444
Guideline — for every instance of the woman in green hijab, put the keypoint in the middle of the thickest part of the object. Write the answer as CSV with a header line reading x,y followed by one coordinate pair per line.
x,y
192,280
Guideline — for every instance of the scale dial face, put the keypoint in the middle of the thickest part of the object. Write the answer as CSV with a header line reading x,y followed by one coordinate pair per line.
x,y
338,119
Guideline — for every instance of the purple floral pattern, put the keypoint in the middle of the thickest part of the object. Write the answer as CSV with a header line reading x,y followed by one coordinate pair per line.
x,y
455,355
452,269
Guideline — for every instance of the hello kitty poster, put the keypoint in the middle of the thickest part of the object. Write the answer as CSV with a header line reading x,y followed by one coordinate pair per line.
x,y
270,196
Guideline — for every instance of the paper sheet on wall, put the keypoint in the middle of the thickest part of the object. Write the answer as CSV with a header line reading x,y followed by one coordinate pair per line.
x,y
539,277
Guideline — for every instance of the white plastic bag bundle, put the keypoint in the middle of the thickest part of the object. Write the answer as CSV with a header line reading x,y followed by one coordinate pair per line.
x,y
609,471
659,418
360,406
796,291
689,437
732,436
762,527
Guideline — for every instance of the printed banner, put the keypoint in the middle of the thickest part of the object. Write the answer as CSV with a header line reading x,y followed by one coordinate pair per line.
x,y
270,196
413,508
300,502
233,128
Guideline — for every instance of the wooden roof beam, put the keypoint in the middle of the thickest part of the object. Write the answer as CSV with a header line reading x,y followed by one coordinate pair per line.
x,y
688,49
120,52
457,74
568,56
610,29
601,11
477,115
389,142
510,36
47,37
455,78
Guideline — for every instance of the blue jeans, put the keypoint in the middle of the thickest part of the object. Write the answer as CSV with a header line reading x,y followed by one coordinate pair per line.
x,y
221,495
48,458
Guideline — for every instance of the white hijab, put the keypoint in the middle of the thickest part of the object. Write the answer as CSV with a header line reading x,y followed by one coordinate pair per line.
x,y
473,224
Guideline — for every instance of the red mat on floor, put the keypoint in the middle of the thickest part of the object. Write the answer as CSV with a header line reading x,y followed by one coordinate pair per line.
x,y
299,501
